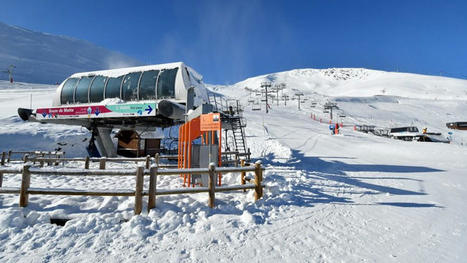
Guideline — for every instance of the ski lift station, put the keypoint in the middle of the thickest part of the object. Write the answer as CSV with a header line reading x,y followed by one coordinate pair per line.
x,y
139,99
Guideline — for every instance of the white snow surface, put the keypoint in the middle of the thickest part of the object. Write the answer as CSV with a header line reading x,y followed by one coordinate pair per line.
x,y
349,197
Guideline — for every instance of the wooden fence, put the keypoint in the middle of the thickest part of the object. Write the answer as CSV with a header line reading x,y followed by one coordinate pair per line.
x,y
45,157
27,170
7,156
102,161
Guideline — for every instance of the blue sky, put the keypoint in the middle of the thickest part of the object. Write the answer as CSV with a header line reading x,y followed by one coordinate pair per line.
x,y
228,41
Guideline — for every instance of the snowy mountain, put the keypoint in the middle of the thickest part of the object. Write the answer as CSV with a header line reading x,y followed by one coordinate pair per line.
x,y
384,99
45,58
360,82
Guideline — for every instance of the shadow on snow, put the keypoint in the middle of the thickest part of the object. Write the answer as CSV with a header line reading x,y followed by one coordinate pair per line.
x,y
312,180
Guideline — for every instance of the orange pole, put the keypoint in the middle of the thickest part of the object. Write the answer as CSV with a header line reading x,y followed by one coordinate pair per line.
x,y
220,154
184,153
185,157
180,139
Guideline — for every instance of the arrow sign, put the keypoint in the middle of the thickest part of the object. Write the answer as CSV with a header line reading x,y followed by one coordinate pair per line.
x,y
148,109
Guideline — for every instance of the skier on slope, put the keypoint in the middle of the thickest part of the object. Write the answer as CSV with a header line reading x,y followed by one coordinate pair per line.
x,y
332,128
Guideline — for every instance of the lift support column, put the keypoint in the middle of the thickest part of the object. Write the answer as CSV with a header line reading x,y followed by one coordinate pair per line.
x,y
105,143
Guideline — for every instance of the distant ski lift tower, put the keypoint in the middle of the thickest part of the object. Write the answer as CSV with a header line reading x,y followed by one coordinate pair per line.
x,y
330,106
286,97
277,88
10,72
265,86
299,95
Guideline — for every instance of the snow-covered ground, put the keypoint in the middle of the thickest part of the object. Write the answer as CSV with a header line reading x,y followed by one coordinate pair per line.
x,y
350,197
19,135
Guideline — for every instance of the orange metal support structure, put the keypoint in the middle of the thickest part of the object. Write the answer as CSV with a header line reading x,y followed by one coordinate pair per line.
x,y
200,127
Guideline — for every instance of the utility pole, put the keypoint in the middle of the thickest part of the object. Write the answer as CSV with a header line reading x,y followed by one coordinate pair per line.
x,y
265,86
298,94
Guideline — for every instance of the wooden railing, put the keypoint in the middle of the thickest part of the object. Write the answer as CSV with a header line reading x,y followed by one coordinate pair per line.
x,y
7,156
234,157
27,170
102,161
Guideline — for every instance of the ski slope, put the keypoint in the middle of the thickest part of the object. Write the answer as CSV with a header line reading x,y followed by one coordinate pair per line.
x,y
47,58
349,197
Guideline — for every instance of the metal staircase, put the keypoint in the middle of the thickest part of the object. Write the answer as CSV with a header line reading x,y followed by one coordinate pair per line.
x,y
238,126
232,120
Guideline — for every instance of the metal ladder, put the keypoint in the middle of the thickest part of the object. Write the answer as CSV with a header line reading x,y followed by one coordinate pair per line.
x,y
239,134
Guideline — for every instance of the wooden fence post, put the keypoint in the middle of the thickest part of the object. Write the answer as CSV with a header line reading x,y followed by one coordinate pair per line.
x,y
258,180
25,182
152,187
102,163
57,157
1,179
49,163
86,163
9,156
243,174
148,159
3,158
139,190
212,183
157,159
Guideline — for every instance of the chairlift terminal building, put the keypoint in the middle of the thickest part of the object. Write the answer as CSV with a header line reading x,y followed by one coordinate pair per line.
x,y
146,97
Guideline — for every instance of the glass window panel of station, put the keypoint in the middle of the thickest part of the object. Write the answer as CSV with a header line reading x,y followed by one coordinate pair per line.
x,y
81,93
112,89
147,87
66,97
130,86
96,91
166,83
